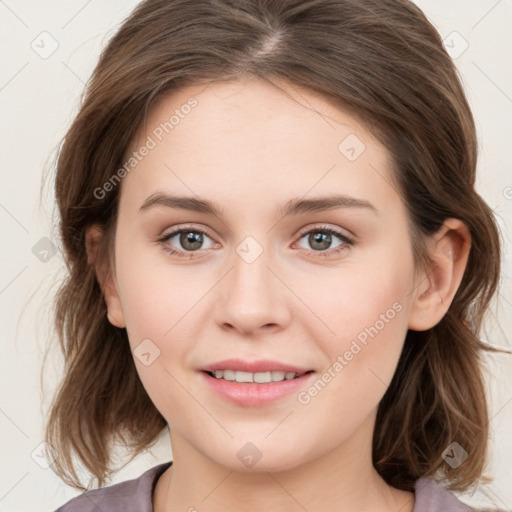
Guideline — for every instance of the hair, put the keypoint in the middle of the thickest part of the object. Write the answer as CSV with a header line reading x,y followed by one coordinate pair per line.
x,y
383,62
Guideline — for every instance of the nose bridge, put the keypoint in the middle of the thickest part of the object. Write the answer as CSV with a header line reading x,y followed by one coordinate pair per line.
x,y
250,267
253,296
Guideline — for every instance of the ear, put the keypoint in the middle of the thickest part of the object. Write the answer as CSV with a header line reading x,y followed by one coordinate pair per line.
x,y
93,244
449,251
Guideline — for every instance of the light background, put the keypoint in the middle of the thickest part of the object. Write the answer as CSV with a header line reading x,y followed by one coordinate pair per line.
x,y
38,99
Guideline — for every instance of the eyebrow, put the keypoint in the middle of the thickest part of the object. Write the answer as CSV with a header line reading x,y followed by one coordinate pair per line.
x,y
294,206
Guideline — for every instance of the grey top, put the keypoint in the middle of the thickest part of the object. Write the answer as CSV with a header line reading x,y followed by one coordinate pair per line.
x,y
136,496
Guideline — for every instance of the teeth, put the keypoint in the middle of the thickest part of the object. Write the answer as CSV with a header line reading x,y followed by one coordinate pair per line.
x,y
260,377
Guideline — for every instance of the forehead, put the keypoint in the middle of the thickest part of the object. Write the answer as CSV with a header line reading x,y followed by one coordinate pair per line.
x,y
245,107
251,138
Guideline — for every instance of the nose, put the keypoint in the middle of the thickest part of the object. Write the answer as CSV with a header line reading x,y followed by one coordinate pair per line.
x,y
252,296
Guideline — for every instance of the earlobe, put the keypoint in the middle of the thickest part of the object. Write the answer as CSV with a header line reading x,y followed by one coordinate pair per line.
x,y
114,311
448,251
95,257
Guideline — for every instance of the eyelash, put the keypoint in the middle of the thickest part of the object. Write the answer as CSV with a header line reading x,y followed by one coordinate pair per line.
x,y
347,242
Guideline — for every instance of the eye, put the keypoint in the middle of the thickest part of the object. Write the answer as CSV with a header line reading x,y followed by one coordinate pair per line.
x,y
190,239
321,239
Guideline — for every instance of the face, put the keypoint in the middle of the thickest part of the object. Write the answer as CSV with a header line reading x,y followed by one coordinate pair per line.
x,y
274,274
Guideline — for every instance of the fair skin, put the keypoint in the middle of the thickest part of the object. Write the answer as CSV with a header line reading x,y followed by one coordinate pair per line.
x,y
250,149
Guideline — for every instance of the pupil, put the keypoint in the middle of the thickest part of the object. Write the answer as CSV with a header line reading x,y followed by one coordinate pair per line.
x,y
195,239
323,238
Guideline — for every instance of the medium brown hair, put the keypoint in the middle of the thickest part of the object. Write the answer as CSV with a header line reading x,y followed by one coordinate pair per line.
x,y
382,61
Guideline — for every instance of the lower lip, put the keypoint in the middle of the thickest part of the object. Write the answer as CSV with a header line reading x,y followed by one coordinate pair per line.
x,y
255,395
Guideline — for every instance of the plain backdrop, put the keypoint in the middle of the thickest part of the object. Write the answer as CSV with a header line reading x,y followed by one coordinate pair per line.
x,y
48,51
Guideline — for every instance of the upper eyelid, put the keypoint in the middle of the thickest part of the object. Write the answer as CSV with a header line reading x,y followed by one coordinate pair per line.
x,y
179,229
325,227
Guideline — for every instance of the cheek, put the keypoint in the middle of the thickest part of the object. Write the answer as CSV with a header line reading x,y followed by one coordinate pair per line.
x,y
364,313
360,362
155,310
155,295
358,296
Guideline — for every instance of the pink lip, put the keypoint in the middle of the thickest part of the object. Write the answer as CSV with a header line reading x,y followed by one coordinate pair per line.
x,y
255,395
262,365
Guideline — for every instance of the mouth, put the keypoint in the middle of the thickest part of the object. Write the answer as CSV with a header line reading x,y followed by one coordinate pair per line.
x,y
259,389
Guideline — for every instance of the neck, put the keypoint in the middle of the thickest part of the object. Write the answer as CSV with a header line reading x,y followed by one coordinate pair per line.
x,y
341,479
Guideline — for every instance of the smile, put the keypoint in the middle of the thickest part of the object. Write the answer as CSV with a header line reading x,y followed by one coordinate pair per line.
x,y
259,377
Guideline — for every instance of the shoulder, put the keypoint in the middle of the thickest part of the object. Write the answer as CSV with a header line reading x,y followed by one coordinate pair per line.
x,y
432,497
132,495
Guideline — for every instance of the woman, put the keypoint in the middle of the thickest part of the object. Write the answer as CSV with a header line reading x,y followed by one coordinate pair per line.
x,y
276,251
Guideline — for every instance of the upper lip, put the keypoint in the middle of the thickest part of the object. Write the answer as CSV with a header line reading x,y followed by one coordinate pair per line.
x,y
259,366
